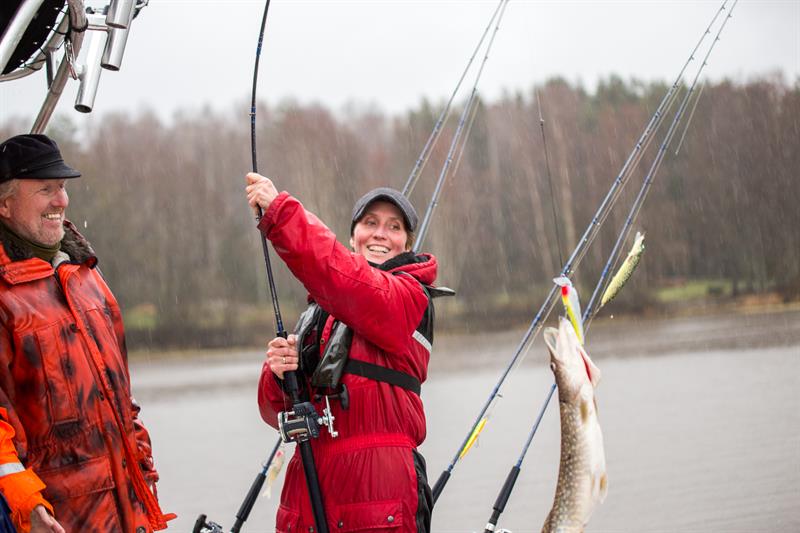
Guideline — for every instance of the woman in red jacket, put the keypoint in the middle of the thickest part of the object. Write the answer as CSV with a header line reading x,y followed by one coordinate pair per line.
x,y
365,341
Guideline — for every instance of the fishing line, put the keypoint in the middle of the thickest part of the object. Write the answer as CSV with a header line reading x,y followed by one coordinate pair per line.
x,y
691,115
549,180
473,113
437,129
588,314
568,268
434,202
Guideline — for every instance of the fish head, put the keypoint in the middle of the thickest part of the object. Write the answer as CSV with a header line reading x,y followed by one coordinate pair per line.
x,y
569,361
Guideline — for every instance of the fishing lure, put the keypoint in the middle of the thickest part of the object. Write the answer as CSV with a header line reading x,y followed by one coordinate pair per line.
x,y
274,469
572,304
625,271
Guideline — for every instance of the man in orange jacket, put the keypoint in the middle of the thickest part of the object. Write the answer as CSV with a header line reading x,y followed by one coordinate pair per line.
x,y
73,455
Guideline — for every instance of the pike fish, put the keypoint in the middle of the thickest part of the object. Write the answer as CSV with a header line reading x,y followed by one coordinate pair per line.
x,y
582,481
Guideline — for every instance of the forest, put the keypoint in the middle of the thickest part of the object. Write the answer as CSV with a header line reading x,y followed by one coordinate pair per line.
x,y
163,204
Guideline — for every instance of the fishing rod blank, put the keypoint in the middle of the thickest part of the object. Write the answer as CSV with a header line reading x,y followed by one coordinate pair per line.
x,y
280,331
588,314
571,264
437,129
423,229
290,379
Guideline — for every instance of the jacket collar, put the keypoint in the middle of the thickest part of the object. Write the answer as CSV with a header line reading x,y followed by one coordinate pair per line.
x,y
18,264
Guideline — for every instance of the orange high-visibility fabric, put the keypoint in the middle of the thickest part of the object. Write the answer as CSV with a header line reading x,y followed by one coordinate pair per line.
x,y
65,386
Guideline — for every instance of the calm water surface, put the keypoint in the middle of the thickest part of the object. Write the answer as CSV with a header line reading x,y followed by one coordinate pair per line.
x,y
700,419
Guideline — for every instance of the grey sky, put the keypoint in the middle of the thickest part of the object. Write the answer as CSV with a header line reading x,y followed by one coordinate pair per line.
x,y
183,54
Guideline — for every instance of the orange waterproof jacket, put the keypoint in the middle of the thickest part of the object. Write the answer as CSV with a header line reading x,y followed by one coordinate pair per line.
x,y
70,437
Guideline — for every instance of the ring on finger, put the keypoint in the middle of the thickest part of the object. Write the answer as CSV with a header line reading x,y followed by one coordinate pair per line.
x,y
284,359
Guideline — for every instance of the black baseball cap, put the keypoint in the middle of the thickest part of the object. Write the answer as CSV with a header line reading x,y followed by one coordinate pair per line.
x,y
389,195
33,156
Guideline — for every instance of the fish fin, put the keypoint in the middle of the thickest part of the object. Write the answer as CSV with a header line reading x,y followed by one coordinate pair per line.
x,y
603,487
585,410
591,368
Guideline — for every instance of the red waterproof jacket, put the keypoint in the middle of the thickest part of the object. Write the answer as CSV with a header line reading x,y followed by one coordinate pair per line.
x,y
69,434
369,475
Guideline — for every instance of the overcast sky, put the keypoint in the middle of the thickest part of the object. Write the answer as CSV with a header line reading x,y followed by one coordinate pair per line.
x,y
184,54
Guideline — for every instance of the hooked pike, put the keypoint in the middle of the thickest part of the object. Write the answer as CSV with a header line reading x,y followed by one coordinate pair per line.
x,y
582,481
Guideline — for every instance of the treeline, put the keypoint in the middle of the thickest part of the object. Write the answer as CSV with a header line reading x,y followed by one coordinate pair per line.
x,y
163,203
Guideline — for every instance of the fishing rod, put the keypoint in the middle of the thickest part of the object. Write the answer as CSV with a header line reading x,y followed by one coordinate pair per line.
x,y
513,474
572,263
437,129
505,492
636,207
300,423
423,229
511,479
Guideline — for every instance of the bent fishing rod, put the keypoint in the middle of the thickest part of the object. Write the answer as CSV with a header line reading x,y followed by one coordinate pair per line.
x,y
424,156
302,422
508,486
472,101
572,263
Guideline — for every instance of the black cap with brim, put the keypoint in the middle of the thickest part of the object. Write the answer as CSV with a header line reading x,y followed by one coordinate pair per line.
x,y
33,156
389,195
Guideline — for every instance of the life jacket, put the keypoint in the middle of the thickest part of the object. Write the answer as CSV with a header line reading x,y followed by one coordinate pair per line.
x,y
324,371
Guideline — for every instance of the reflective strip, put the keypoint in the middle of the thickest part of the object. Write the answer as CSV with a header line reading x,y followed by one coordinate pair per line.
x,y
11,468
420,338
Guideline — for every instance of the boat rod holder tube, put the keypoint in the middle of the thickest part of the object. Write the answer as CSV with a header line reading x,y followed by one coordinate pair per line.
x,y
115,48
89,73
573,261
120,13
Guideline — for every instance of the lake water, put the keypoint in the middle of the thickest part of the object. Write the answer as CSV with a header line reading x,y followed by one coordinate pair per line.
x,y
700,416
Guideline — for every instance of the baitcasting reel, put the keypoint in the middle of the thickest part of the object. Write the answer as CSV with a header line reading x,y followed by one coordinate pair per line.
x,y
303,422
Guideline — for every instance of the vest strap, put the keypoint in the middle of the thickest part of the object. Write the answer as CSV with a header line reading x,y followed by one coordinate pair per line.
x,y
386,375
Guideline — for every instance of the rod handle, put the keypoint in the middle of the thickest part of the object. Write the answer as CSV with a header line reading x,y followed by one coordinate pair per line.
x,y
249,501
440,483
505,494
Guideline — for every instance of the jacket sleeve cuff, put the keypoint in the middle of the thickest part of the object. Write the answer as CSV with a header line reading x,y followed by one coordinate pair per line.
x,y
268,220
23,492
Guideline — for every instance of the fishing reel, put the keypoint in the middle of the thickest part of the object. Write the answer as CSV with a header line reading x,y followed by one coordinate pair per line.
x,y
202,525
303,422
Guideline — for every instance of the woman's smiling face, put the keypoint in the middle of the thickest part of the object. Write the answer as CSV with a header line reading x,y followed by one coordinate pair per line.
x,y
380,234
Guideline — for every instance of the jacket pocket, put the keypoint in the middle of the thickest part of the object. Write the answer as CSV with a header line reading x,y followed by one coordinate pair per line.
x,y
59,369
83,497
367,516
78,479
287,521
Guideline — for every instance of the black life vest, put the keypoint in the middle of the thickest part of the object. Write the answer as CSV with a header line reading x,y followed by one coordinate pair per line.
x,y
325,371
